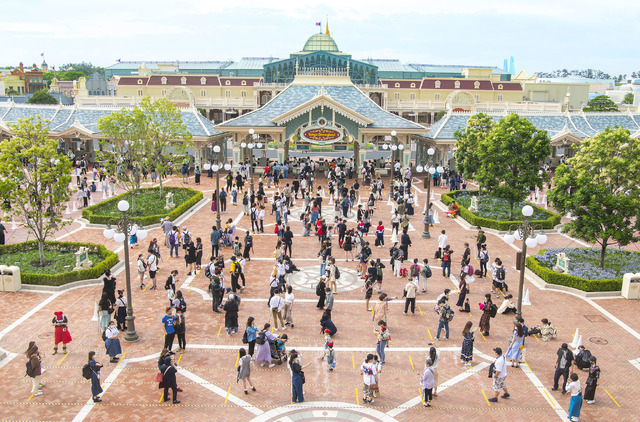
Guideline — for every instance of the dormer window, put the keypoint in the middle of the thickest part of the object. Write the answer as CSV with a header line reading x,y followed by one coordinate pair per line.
x,y
228,82
243,83
476,84
437,84
139,81
183,80
500,86
397,85
163,81
457,84
203,81
413,85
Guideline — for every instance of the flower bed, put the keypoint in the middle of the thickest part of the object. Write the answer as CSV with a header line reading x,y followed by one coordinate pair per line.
x,y
494,212
62,253
149,206
584,272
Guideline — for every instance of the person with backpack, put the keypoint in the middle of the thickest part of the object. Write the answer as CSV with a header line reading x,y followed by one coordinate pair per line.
x,y
582,358
499,276
466,255
563,366
484,260
174,241
396,259
152,264
426,273
263,350
485,319
94,374
186,238
446,261
321,293
379,274
499,375
180,327
481,239
446,315
215,289
235,269
34,368
414,273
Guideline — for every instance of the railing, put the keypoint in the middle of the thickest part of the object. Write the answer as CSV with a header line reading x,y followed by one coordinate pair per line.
x,y
372,86
269,85
322,71
418,105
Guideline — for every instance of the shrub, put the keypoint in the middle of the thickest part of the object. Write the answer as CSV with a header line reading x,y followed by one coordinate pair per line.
x,y
550,222
96,215
109,259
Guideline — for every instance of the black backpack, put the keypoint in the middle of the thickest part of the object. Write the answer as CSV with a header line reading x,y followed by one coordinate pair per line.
x,y
104,335
207,271
494,310
500,273
320,288
261,339
337,272
483,238
86,371
582,361
29,369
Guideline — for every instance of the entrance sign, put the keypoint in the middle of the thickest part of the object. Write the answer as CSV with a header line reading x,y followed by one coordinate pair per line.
x,y
321,132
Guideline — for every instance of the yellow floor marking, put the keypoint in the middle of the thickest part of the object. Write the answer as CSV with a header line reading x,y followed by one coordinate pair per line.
x,y
237,358
271,330
161,397
32,394
357,397
525,362
410,360
470,313
421,396
227,398
483,336
219,329
614,400
537,339
180,357
189,289
420,311
485,397
547,394
63,358
353,361
145,288
430,336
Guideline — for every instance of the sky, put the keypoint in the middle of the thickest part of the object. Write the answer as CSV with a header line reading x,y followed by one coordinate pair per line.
x,y
542,35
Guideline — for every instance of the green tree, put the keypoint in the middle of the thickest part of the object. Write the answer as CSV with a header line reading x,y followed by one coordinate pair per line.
x,y
510,157
84,67
629,98
166,137
35,179
42,97
601,103
600,187
479,126
122,152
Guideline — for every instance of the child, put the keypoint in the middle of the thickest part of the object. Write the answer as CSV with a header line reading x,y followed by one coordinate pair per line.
x,y
576,397
466,307
330,353
327,340
280,345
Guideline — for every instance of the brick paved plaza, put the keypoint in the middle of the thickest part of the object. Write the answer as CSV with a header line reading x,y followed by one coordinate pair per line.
x,y
207,368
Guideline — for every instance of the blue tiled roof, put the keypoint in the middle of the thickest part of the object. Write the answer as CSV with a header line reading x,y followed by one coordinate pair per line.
x,y
582,126
600,121
348,96
88,117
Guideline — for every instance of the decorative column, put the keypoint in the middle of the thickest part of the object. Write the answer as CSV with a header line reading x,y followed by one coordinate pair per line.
x,y
356,155
286,150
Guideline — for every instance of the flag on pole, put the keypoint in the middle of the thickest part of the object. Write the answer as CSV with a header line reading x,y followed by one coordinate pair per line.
x,y
42,54
318,23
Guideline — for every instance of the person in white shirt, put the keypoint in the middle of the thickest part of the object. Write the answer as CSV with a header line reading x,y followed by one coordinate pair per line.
x,y
369,372
442,242
152,263
276,303
288,305
499,376
576,397
261,218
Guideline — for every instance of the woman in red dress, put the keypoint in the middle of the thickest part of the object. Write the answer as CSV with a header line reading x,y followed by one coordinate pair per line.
x,y
61,332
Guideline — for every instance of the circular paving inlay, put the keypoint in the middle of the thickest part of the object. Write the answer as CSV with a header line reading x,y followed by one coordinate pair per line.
x,y
598,340
325,411
308,277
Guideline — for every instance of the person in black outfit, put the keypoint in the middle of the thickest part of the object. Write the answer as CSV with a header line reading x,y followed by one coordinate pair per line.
x,y
405,242
287,240
322,295
342,230
109,286
563,365
169,381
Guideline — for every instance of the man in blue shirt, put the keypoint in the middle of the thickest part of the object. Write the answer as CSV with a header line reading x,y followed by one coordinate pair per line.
x,y
170,331
215,241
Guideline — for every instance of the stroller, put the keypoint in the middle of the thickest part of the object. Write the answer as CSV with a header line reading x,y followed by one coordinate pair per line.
x,y
278,351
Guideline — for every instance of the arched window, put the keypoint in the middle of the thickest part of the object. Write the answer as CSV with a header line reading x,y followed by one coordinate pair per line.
x,y
500,97
243,83
396,95
412,96
437,84
457,84
227,82
243,94
476,85
413,85
163,92
203,93
163,81
397,85
227,93
437,97
203,81
500,86
139,81
140,93
183,80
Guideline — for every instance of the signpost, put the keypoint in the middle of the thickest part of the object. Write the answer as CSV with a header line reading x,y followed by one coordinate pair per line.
x,y
562,263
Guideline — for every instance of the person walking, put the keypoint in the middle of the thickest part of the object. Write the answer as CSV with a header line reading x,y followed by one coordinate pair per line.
x,y
434,355
321,293
484,259
427,383
485,319
369,372
466,355
34,361
152,264
575,405
244,369
446,261
95,367
446,315
142,268
499,376
426,274
263,350
61,332
169,381
517,344
251,332
106,308
297,377
181,330
442,243
231,314
563,365
410,297
592,381
383,340
288,306
276,303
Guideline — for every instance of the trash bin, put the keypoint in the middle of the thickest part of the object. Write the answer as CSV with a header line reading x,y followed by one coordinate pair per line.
x,y
2,267
631,286
11,279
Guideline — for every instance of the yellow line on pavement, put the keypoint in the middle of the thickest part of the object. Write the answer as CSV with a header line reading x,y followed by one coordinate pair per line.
x,y
31,396
161,397
227,398
410,360
180,357
63,358
483,336
430,336
547,394
353,361
145,288
189,288
121,357
219,329
537,339
357,397
420,311
421,396
237,358
485,398
614,400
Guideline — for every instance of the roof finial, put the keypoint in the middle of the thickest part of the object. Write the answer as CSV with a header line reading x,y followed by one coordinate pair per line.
x,y
327,32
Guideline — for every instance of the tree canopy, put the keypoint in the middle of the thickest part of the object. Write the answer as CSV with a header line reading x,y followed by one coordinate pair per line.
x,y
479,126
35,179
42,97
628,98
601,103
600,187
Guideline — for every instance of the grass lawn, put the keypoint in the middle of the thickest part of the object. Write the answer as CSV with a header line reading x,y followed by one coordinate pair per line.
x,y
58,261
147,203
496,208
584,262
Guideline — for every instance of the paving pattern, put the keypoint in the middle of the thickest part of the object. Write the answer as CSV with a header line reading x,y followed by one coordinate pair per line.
x,y
207,369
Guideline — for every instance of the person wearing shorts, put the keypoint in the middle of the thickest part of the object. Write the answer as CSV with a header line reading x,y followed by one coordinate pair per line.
x,y
499,376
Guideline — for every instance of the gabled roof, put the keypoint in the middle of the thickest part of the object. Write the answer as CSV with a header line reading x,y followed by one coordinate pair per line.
x,y
347,97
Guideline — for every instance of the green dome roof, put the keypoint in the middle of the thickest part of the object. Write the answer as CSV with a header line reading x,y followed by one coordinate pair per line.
x,y
320,42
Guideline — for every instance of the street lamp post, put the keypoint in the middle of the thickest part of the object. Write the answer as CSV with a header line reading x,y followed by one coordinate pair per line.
x,y
126,227
526,233
428,181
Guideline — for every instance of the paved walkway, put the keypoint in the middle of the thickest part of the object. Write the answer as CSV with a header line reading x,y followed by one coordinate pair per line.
x,y
208,374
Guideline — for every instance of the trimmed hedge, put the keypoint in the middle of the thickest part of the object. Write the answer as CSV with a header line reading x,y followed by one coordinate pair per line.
x,y
92,213
109,259
552,277
552,220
